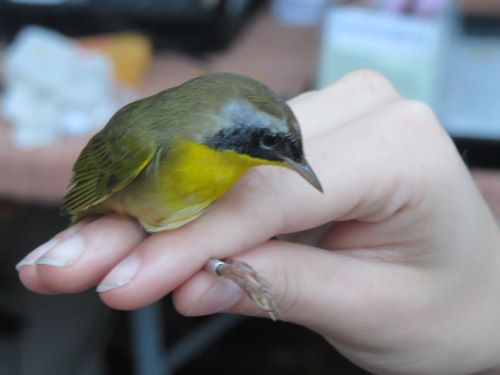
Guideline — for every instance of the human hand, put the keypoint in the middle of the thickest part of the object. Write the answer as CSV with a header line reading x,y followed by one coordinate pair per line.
x,y
406,281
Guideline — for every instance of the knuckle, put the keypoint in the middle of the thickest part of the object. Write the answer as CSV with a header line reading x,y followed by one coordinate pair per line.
x,y
370,81
418,110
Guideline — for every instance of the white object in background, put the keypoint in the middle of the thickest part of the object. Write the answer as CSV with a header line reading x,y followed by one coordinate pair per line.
x,y
299,12
406,49
54,87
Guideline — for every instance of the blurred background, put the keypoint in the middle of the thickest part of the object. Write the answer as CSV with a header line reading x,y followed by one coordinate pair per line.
x,y
67,65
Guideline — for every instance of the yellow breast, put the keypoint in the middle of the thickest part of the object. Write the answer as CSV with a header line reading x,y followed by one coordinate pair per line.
x,y
197,171
183,186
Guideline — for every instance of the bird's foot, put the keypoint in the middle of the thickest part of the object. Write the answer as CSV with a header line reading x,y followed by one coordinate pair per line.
x,y
255,286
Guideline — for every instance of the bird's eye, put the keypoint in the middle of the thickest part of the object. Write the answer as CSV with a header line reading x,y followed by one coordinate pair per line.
x,y
269,140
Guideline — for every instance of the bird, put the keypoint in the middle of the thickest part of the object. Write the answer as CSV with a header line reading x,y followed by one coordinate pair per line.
x,y
166,158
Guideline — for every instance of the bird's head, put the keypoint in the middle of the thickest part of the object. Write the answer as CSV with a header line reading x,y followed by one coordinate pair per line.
x,y
253,121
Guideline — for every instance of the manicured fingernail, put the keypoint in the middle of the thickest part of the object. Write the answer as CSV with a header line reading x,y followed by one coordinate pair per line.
x,y
223,295
121,275
64,254
31,258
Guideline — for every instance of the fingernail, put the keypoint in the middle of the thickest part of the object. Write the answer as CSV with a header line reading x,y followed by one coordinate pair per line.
x,y
31,258
121,275
223,295
64,254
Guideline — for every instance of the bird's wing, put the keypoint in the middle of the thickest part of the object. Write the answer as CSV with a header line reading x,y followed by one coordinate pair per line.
x,y
106,165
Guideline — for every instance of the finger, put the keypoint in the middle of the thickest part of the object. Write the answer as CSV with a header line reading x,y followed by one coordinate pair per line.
x,y
29,278
349,98
80,257
279,263
27,266
266,203
333,302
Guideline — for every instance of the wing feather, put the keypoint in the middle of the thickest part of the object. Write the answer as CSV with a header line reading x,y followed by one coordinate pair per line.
x,y
104,167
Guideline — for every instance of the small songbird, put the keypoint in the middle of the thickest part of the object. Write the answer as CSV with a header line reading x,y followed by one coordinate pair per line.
x,y
164,159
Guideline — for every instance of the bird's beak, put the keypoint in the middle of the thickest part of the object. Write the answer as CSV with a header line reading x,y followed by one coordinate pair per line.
x,y
305,170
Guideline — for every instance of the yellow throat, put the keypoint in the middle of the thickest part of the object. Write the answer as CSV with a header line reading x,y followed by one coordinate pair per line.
x,y
182,186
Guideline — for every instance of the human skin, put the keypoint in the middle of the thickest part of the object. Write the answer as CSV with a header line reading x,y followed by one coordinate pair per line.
x,y
405,282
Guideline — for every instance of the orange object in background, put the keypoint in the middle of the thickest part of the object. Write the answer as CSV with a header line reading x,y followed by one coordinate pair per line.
x,y
130,54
